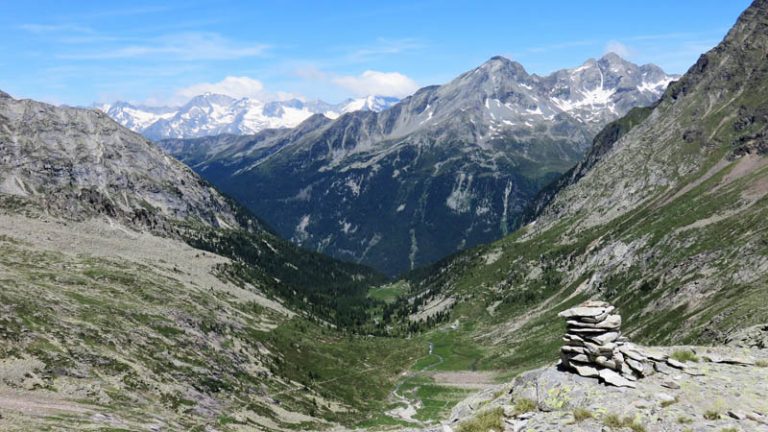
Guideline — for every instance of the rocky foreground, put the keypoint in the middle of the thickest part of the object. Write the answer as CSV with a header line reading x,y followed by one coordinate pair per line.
x,y
714,389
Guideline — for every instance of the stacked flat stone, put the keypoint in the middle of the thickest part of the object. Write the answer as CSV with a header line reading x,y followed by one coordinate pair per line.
x,y
594,346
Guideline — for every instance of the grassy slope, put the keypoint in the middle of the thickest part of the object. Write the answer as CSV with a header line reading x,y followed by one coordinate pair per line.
x,y
141,343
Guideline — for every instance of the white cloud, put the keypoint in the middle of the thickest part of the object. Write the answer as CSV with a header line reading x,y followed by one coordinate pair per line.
x,y
619,48
234,86
384,47
55,28
176,47
377,83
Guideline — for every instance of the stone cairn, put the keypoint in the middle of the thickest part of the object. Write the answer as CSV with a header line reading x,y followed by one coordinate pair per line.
x,y
594,347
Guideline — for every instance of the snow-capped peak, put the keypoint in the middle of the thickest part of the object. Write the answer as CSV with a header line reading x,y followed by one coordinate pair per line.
x,y
369,103
214,114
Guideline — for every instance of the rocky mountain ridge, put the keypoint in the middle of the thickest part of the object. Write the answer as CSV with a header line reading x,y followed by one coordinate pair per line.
x,y
79,163
447,168
215,114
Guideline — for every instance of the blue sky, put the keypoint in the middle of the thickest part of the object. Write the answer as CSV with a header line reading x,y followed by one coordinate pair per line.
x,y
80,52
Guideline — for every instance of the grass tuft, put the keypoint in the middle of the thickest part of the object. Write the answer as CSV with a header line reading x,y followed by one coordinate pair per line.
x,y
667,403
486,421
684,356
613,421
524,405
581,414
712,415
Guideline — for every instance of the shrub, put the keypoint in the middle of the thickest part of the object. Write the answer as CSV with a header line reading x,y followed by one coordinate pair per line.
x,y
711,415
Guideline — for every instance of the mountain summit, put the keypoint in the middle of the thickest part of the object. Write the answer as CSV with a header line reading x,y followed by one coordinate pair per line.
x,y
447,168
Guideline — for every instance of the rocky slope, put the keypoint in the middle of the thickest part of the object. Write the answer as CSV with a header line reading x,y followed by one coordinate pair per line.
x,y
715,392
106,328
79,163
215,114
447,168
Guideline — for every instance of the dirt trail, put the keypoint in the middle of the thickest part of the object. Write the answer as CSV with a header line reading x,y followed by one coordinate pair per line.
x,y
411,407
38,404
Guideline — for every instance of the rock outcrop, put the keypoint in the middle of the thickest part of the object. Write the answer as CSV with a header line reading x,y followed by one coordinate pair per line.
x,y
708,395
78,163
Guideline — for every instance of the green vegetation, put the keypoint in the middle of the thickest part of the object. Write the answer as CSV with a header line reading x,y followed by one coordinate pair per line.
x,y
524,405
613,421
451,351
389,293
489,420
436,399
761,363
684,356
712,415
117,317
581,414
326,288
666,403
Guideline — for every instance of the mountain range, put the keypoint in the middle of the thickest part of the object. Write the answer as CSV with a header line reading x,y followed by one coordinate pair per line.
x,y
136,296
214,114
665,218
447,168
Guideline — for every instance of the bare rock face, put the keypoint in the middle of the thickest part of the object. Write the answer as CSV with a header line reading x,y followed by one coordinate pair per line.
x,y
79,163
751,337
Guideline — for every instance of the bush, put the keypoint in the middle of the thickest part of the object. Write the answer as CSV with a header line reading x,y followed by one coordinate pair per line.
x,y
712,415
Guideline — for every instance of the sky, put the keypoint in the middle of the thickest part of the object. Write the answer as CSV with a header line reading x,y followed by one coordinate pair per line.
x,y
162,53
